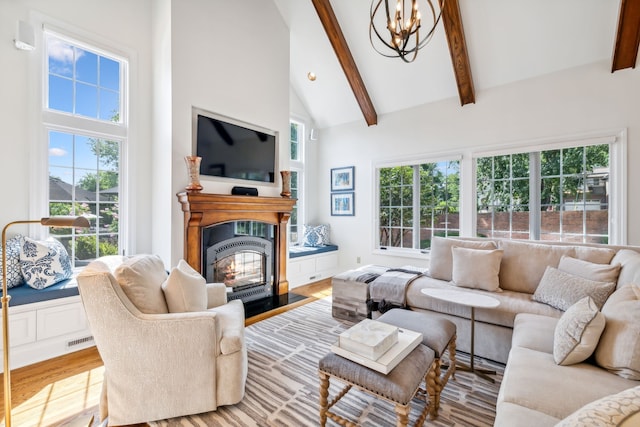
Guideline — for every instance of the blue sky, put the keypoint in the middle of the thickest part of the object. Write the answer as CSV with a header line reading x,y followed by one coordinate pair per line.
x,y
81,83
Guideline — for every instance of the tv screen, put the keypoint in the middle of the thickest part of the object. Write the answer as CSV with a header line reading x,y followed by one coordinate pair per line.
x,y
233,149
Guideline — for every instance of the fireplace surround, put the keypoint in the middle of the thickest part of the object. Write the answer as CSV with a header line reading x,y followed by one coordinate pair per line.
x,y
204,210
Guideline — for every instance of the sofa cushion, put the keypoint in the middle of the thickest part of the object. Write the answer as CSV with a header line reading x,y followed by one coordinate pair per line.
x,y
561,290
619,348
577,332
476,268
185,289
594,254
620,409
44,263
629,261
14,275
589,270
441,257
524,263
141,278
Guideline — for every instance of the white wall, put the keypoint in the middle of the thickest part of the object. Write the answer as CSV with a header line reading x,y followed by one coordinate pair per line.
x,y
231,58
20,99
577,101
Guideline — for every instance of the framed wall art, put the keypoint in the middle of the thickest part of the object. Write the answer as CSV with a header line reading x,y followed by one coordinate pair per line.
x,y
343,204
342,179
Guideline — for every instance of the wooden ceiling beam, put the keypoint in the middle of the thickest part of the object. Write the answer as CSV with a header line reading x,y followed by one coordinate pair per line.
x,y
454,30
625,51
336,37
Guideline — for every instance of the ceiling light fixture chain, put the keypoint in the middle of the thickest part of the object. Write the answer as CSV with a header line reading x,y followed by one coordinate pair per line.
x,y
403,24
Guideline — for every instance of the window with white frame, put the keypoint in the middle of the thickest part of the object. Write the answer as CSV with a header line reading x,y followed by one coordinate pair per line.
x,y
296,141
84,111
559,194
417,202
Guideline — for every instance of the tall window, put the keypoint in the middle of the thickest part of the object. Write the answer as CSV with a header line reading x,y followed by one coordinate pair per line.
x,y
296,142
417,202
84,121
560,194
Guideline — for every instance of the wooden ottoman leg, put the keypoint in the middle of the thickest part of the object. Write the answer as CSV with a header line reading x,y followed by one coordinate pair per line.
x,y
324,393
402,414
432,390
452,357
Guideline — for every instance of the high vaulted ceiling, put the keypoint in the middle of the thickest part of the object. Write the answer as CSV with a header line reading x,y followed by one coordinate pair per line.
x,y
506,41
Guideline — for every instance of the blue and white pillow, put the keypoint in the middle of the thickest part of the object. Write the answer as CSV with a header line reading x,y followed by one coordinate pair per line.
x,y
44,263
316,235
14,275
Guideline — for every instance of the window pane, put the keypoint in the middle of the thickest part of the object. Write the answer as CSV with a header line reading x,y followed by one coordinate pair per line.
x,y
86,66
520,165
109,105
572,160
60,94
550,163
86,100
109,74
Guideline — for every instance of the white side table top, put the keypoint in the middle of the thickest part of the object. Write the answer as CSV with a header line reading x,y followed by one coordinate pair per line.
x,y
470,299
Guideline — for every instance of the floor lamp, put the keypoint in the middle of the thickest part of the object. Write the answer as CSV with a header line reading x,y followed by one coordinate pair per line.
x,y
54,221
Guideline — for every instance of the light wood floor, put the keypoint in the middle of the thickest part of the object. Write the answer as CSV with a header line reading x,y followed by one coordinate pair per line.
x,y
65,391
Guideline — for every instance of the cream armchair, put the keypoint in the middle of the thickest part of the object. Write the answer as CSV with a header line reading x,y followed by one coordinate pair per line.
x,y
158,364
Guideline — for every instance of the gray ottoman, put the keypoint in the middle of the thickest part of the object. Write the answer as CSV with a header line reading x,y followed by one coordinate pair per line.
x,y
437,334
399,386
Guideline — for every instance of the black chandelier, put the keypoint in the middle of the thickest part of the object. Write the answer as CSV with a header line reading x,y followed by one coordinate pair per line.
x,y
403,24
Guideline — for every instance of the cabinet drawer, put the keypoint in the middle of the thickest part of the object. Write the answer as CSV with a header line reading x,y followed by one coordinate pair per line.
x,y
61,320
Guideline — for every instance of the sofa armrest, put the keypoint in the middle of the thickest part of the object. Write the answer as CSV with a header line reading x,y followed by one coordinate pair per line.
x,y
216,294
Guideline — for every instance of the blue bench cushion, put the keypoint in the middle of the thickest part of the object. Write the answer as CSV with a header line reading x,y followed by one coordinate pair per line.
x,y
298,251
26,295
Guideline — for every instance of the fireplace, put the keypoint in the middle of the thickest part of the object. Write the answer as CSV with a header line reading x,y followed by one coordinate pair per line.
x,y
210,219
240,255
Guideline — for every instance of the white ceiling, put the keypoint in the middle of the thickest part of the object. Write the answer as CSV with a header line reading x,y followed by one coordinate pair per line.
x,y
507,41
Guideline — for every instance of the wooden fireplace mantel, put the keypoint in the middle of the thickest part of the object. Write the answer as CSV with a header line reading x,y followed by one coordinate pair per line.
x,y
202,210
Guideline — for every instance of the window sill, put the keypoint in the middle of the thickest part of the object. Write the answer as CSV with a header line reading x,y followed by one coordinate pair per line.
x,y
403,253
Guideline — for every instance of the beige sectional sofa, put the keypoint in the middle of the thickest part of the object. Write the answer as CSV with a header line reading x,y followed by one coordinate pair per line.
x,y
534,283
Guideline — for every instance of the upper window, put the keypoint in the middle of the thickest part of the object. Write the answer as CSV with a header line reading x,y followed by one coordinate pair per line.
x,y
417,202
296,141
560,194
83,105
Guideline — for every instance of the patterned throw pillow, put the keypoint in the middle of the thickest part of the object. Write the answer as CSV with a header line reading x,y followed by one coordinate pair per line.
x,y
621,409
316,235
44,263
577,332
561,290
14,275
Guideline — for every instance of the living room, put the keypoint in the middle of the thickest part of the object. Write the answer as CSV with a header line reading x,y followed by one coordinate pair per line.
x,y
201,54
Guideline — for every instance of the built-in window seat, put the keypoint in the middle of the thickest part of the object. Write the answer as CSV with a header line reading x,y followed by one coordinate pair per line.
x,y
308,264
46,323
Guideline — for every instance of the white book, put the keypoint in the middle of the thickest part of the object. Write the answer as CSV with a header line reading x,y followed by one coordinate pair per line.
x,y
407,341
369,338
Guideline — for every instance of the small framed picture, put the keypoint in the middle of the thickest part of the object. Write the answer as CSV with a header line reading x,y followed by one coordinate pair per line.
x,y
342,179
343,204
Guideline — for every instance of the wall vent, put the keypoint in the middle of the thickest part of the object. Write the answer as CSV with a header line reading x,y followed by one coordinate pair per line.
x,y
79,341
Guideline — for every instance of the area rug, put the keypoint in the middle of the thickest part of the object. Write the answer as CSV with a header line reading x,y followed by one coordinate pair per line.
x,y
282,385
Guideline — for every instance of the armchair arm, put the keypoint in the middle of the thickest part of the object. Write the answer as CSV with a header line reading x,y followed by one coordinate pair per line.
x,y
216,294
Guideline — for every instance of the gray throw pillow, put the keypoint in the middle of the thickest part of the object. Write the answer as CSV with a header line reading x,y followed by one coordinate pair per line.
x,y
577,333
561,290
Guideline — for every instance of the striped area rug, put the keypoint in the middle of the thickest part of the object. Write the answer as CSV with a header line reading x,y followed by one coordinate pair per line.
x,y
282,385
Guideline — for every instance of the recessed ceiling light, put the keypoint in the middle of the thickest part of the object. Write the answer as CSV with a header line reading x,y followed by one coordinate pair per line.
x,y
311,76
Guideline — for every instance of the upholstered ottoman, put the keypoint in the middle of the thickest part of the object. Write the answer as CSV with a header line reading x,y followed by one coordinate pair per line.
x,y
350,292
437,334
399,386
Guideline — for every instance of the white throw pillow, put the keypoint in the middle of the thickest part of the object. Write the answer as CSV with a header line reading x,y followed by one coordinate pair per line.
x,y
476,268
589,270
316,235
617,350
616,410
44,263
441,257
577,333
141,278
14,275
185,289
561,290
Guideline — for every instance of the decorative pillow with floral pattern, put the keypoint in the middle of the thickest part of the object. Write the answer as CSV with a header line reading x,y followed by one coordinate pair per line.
x,y
316,235
14,275
44,263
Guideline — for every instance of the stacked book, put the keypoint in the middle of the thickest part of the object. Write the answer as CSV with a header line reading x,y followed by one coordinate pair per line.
x,y
376,345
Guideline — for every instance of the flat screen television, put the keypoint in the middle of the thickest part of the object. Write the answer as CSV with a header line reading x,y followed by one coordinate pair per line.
x,y
234,150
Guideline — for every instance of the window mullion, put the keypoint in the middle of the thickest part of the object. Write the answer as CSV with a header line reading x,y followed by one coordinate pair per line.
x,y
416,207
535,184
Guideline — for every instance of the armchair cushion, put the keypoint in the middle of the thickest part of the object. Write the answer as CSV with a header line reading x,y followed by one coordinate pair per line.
x,y
141,278
216,294
185,289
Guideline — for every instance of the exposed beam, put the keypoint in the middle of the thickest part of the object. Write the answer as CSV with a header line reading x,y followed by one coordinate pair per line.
x,y
625,51
458,48
334,32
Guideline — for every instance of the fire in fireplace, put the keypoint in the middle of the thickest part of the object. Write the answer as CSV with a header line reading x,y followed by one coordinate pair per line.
x,y
240,255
